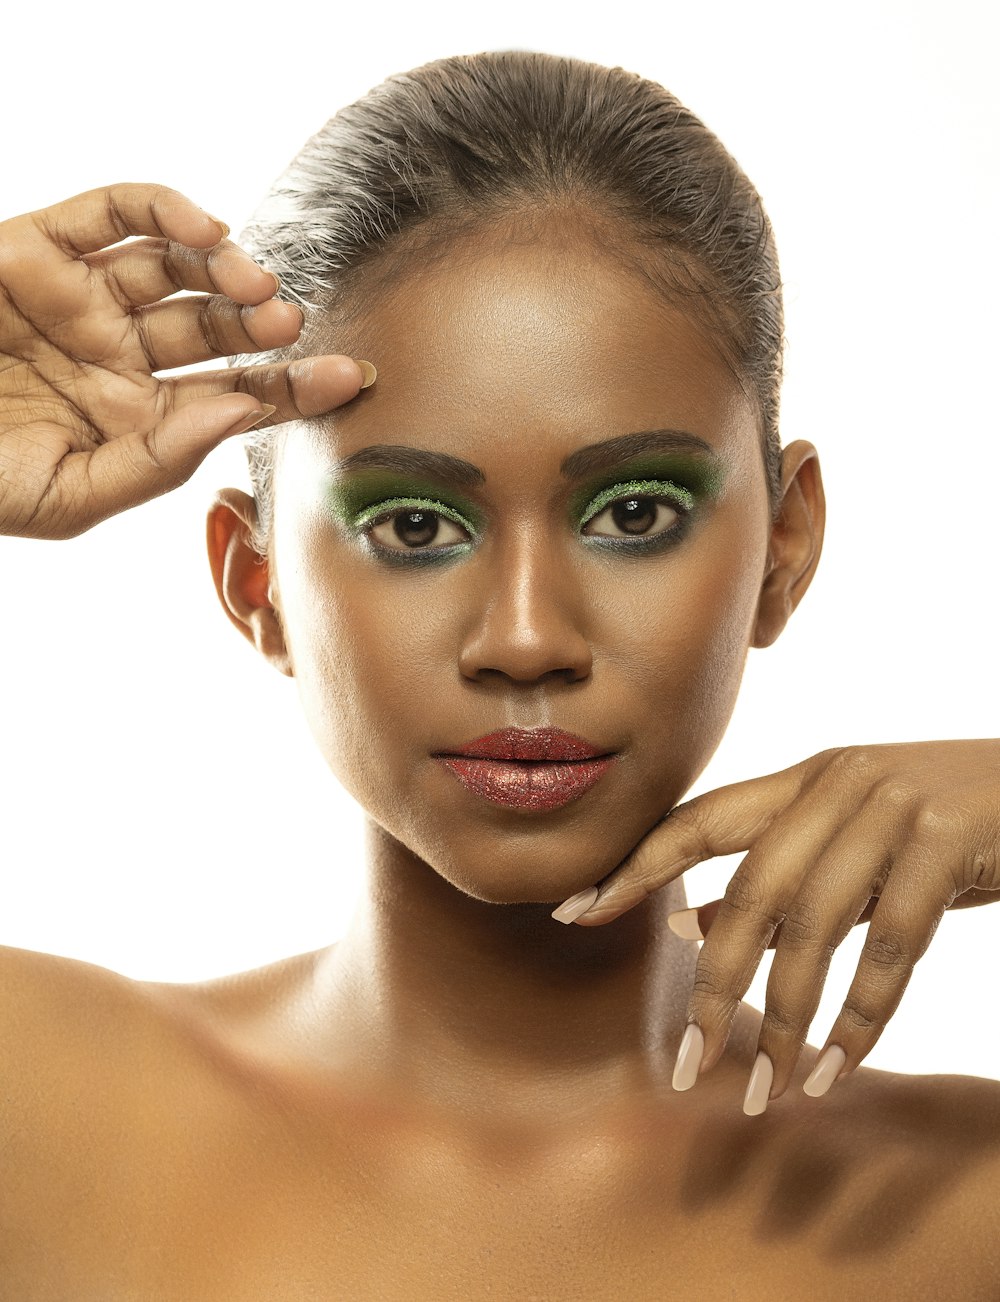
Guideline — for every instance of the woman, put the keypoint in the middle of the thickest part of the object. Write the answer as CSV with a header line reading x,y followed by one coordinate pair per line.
x,y
515,580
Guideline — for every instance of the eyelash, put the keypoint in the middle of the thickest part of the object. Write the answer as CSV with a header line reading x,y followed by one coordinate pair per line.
x,y
645,543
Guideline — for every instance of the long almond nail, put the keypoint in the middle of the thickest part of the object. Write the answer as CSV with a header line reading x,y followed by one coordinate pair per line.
x,y
684,923
689,1057
825,1072
576,905
759,1086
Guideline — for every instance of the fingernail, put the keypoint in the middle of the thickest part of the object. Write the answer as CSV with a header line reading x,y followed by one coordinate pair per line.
x,y
577,904
255,418
368,371
684,923
827,1069
219,222
689,1057
759,1086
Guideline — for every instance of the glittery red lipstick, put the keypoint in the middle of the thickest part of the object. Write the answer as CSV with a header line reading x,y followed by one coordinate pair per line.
x,y
541,768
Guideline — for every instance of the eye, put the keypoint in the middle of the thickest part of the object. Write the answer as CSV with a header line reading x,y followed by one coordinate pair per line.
x,y
414,528
638,516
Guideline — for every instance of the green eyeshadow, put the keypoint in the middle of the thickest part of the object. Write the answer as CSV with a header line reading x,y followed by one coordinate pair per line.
x,y
362,497
686,479
357,501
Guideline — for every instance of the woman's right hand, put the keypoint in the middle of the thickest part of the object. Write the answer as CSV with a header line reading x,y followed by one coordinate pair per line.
x,y
86,429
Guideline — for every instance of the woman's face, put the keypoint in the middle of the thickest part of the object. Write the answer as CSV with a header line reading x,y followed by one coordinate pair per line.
x,y
528,603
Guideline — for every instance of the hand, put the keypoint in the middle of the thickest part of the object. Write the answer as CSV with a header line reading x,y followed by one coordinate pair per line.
x,y
86,431
895,834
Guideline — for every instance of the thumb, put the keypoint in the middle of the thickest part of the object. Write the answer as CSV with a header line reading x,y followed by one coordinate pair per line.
x,y
719,822
136,467
181,442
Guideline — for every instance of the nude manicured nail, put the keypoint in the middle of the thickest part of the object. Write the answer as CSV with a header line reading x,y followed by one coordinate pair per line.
x,y
220,222
684,923
689,1057
825,1072
759,1086
369,373
255,418
577,904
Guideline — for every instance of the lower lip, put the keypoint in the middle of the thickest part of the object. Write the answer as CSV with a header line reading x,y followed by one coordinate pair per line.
x,y
527,785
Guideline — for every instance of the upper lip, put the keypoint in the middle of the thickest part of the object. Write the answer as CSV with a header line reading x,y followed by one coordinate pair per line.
x,y
528,744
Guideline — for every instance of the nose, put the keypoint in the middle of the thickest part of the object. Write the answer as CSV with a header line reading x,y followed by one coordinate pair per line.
x,y
527,618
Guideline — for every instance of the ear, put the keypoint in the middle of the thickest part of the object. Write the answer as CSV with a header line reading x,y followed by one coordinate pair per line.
x,y
241,576
795,543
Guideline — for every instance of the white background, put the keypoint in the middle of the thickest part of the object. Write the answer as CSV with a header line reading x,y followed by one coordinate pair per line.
x,y
165,811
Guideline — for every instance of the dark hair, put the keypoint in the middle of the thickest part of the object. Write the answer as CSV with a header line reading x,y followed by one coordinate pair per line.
x,y
457,145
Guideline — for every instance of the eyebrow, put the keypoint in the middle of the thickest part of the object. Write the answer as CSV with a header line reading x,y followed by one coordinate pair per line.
x,y
404,459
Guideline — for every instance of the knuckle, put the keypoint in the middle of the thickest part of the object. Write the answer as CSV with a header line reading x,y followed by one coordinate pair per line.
x,y
858,1018
852,763
934,822
743,895
709,983
267,381
982,870
211,315
787,1025
173,257
211,258
894,793
802,926
887,948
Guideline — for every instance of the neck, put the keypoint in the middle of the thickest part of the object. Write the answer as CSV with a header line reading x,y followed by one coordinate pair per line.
x,y
498,1010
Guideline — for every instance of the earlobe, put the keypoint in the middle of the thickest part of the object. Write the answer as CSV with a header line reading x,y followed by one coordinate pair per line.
x,y
242,582
795,542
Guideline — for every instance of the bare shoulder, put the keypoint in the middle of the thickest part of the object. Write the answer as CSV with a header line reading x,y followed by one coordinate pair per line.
x,y
930,1149
79,1030
50,1004
954,1117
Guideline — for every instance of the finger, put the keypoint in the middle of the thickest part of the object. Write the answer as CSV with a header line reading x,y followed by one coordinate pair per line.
x,y
761,894
695,923
972,898
910,907
96,218
199,327
146,271
132,468
720,822
835,890
298,390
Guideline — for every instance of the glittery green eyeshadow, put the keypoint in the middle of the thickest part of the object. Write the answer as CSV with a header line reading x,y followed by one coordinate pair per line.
x,y
358,502
639,488
363,500
685,479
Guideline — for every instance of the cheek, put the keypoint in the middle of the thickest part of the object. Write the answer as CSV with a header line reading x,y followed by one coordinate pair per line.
x,y
367,659
683,632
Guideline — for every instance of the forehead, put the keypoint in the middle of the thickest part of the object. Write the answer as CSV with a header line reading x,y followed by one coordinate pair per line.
x,y
530,345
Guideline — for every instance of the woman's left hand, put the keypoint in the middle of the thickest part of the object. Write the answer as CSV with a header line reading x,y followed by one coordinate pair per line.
x,y
894,833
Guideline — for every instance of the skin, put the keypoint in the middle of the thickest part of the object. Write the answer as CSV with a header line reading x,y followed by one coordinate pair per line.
x,y
516,1115
502,1016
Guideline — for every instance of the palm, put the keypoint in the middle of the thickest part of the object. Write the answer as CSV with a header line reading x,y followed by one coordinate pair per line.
x,y
75,374
86,427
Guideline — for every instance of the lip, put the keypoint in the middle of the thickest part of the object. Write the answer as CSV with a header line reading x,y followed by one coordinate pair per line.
x,y
527,784
520,768
546,744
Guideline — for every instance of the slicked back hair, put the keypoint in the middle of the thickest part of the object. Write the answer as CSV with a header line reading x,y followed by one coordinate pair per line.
x,y
462,144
